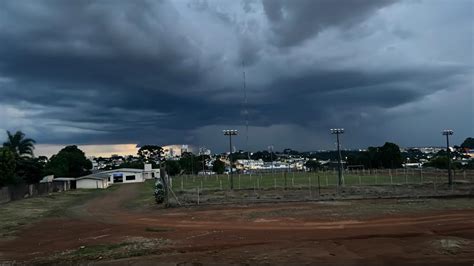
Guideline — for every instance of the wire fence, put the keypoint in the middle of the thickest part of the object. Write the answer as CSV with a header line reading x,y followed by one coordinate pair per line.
x,y
318,178
317,185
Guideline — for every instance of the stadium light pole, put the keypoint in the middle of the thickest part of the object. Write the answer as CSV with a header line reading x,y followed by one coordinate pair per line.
x,y
447,133
337,132
230,133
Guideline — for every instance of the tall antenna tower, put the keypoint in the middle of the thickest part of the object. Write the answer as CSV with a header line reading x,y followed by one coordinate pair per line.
x,y
245,112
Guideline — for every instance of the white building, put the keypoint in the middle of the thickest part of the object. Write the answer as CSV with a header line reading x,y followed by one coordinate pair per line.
x,y
91,181
123,175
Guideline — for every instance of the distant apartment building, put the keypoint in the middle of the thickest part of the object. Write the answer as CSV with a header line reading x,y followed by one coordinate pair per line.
x,y
176,150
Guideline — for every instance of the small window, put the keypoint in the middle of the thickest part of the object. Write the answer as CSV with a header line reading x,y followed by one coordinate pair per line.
x,y
130,177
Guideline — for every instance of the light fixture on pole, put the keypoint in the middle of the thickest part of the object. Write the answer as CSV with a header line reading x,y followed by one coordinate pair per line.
x,y
337,132
447,133
230,133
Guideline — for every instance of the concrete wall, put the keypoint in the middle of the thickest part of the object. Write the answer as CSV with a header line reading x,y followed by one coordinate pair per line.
x,y
22,191
149,174
90,183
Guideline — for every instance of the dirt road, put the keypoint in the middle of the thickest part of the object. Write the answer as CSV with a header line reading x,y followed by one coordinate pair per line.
x,y
356,233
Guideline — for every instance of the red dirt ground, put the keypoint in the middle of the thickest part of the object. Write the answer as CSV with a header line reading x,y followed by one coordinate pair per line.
x,y
296,233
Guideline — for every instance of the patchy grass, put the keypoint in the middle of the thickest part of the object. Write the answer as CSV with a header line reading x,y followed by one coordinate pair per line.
x,y
19,213
365,209
453,245
131,247
145,197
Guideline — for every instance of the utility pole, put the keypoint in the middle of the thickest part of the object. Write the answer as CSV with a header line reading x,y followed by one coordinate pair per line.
x,y
447,133
230,133
338,131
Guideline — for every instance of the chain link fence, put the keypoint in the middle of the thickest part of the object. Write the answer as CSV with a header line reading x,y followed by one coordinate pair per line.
x,y
320,185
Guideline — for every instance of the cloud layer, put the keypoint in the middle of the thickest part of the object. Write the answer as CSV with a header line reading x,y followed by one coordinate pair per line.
x,y
110,72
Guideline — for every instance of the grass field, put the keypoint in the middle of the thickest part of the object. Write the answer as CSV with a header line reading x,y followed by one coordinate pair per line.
x,y
307,179
115,226
20,213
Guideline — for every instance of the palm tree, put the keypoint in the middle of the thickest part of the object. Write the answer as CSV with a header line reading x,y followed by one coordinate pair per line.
x,y
21,146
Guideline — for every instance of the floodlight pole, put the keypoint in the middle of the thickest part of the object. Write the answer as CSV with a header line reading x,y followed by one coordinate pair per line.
x,y
338,131
230,133
447,133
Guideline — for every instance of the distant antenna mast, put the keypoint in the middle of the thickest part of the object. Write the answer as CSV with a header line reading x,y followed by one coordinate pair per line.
x,y
246,113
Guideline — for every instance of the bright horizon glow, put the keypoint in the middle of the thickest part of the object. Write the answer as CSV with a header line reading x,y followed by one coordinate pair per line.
x,y
104,150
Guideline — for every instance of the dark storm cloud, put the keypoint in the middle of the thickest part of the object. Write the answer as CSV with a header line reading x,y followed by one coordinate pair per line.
x,y
294,21
171,71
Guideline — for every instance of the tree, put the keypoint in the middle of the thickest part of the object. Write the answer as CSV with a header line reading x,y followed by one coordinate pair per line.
x,y
149,153
264,155
30,170
218,166
172,167
190,163
470,165
390,155
69,162
19,145
313,165
468,143
7,167
441,162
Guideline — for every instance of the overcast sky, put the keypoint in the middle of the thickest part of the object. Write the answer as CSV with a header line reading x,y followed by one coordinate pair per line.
x,y
163,72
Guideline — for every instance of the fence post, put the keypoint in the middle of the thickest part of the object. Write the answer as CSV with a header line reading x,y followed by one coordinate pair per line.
x,y
239,181
319,188
182,185
309,187
406,177
274,182
421,175
197,189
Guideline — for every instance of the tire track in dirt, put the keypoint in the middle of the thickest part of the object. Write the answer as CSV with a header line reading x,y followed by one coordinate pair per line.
x,y
207,231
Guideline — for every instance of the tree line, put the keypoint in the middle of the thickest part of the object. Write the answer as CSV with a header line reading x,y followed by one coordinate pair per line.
x,y
19,165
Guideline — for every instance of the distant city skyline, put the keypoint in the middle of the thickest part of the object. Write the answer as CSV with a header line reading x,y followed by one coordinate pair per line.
x,y
106,150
